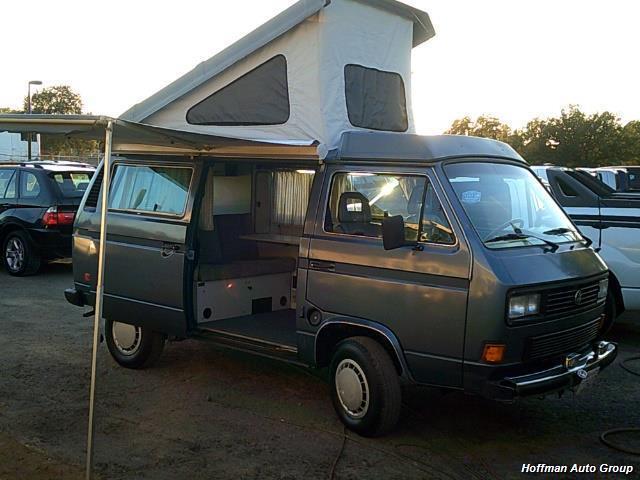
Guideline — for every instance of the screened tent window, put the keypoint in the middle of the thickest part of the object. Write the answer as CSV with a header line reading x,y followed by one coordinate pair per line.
x,y
359,202
260,97
7,184
29,185
376,99
162,190
291,191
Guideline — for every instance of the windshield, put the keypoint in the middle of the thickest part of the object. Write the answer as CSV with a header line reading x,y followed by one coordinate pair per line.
x,y
508,206
72,184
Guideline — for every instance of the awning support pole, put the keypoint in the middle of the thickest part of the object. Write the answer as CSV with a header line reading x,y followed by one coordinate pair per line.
x,y
106,168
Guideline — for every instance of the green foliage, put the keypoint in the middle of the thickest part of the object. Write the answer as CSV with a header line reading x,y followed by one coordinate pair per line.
x,y
9,110
573,139
483,126
60,100
55,100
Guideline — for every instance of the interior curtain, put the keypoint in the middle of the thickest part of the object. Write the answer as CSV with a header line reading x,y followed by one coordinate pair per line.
x,y
206,209
290,197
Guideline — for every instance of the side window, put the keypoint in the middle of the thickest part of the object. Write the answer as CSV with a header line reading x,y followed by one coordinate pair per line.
x,y
566,189
7,184
146,189
435,226
29,185
359,202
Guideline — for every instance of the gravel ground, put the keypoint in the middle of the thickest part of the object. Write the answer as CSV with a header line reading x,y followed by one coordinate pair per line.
x,y
206,413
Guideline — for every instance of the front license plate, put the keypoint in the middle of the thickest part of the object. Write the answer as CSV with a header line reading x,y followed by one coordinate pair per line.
x,y
588,379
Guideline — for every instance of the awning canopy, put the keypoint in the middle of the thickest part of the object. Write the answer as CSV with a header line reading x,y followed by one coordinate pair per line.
x,y
136,138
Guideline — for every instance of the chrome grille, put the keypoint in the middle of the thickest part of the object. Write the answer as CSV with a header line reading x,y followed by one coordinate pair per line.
x,y
571,300
558,343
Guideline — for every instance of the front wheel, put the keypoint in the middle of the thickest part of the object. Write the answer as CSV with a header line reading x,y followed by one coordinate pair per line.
x,y
365,387
133,346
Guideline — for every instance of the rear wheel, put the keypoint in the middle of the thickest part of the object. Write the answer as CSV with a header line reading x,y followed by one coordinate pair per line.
x,y
133,346
20,255
365,387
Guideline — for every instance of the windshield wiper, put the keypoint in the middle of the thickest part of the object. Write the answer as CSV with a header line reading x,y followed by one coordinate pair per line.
x,y
564,231
520,235
558,231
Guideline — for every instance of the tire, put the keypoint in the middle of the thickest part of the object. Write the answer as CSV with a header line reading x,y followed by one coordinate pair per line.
x,y
365,387
131,346
19,254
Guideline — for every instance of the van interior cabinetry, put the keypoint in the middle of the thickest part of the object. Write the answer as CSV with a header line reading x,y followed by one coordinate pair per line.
x,y
248,241
237,297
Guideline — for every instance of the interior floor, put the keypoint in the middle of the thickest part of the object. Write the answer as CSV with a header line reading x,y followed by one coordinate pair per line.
x,y
277,328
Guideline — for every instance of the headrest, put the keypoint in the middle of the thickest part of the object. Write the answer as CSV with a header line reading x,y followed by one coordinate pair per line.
x,y
354,208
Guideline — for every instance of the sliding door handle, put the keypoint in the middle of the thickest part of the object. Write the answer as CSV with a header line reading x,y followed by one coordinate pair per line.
x,y
169,249
323,266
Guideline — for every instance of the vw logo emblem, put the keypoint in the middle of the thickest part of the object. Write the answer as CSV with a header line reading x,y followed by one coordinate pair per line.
x,y
583,374
578,297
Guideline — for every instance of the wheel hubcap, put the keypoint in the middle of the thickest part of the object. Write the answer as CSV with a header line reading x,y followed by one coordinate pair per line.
x,y
14,254
126,338
352,388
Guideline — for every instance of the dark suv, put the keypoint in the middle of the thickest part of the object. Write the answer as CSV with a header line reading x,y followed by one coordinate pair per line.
x,y
38,203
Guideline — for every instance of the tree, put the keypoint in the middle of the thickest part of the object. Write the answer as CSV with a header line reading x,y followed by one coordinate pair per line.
x,y
9,110
483,126
55,100
573,139
60,100
631,135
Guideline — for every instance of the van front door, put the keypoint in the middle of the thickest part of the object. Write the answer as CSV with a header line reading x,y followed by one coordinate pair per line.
x,y
419,294
149,213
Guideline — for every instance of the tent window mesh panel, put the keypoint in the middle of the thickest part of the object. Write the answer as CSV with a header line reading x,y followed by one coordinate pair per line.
x,y
376,99
260,97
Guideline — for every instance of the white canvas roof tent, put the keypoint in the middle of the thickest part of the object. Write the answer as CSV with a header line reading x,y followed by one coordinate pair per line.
x,y
320,68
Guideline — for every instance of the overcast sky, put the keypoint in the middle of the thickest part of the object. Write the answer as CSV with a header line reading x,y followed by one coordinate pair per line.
x,y
514,59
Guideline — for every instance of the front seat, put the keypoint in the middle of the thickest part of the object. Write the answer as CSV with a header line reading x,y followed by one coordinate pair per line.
x,y
354,216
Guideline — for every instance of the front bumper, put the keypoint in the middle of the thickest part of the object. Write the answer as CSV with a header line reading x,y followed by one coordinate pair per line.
x,y
557,378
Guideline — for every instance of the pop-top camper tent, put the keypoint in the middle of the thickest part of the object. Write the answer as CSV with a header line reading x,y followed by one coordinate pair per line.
x,y
319,69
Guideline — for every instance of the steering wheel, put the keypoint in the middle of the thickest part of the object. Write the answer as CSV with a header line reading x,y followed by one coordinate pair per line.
x,y
517,222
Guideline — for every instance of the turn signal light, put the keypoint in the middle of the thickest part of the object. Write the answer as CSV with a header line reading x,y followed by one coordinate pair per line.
x,y
493,353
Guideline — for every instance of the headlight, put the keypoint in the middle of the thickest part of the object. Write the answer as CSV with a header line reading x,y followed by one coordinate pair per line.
x,y
603,289
524,306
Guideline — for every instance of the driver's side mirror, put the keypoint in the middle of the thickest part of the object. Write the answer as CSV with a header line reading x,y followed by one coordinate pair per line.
x,y
393,235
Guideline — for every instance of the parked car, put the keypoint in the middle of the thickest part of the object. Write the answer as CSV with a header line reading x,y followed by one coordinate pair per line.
x,y
612,220
401,259
621,179
38,203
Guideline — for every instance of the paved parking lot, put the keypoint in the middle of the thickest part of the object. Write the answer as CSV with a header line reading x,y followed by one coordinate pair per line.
x,y
205,413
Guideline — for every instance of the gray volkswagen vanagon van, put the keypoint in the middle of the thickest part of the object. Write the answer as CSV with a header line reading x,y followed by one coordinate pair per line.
x,y
398,260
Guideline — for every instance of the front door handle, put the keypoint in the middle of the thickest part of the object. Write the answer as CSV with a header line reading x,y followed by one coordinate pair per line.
x,y
323,266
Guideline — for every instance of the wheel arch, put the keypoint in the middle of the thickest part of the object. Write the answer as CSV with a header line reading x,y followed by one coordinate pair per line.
x,y
7,228
332,332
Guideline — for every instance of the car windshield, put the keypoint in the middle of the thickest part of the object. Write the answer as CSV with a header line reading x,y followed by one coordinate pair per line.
x,y
508,206
72,184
